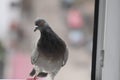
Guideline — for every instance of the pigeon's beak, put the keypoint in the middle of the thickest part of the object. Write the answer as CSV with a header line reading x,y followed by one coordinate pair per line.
x,y
35,28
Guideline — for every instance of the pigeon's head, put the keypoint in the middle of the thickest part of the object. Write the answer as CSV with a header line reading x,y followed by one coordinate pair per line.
x,y
40,23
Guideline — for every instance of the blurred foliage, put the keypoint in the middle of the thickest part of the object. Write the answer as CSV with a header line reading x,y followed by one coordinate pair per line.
x,y
2,52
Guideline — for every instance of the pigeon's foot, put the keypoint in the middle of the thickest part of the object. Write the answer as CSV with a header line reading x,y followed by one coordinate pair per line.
x,y
34,78
42,74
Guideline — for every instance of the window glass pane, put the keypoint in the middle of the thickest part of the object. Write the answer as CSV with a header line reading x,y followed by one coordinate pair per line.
x,y
72,20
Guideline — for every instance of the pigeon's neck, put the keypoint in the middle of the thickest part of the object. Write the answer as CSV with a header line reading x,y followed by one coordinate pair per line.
x,y
47,33
48,36
50,42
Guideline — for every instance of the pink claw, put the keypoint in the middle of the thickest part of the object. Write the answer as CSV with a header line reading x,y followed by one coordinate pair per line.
x,y
34,78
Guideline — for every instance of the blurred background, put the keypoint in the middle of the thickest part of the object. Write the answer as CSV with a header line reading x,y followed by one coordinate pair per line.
x,y
72,20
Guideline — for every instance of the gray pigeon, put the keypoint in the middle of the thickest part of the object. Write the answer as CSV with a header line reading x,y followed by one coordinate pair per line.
x,y
50,53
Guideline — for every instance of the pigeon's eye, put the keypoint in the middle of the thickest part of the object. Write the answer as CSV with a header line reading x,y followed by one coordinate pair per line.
x,y
42,23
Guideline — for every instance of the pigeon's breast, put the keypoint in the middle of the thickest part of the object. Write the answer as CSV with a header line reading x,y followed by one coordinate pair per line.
x,y
48,64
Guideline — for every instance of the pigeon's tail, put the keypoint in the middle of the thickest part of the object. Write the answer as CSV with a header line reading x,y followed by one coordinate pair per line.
x,y
32,73
42,74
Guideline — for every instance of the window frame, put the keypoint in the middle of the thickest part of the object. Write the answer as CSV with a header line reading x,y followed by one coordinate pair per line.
x,y
98,40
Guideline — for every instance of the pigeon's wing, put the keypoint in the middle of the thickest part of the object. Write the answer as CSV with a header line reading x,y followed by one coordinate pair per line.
x,y
65,57
35,56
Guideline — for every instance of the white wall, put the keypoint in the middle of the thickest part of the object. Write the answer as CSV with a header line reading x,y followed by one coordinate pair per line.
x,y
4,17
7,14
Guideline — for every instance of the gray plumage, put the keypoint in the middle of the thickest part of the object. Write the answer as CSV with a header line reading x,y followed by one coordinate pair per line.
x,y
50,53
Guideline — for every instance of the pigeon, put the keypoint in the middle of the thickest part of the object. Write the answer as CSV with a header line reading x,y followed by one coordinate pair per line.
x,y
50,54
